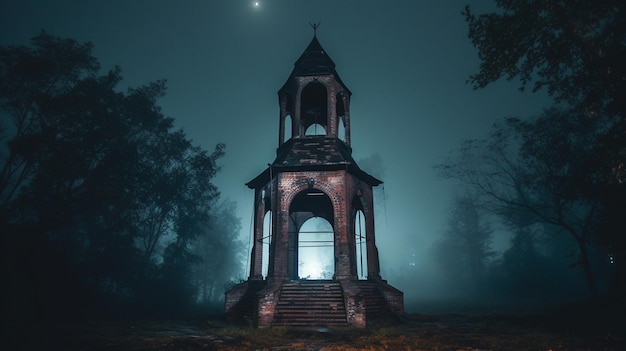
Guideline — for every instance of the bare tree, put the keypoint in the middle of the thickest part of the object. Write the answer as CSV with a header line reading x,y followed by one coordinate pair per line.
x,y
541,171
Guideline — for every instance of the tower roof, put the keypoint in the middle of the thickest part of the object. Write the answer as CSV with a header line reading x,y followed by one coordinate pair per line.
x,y
314,62
313,153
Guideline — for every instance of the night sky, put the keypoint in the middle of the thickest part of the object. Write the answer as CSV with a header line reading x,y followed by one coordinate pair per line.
x,y
406,63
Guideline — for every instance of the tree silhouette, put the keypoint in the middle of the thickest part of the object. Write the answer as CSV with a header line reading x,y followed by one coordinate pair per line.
x,y
220,254
575,52
543,171
100,198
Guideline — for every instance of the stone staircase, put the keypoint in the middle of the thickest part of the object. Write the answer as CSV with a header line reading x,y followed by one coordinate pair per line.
x,y
310,303
377,309
374,302
243,310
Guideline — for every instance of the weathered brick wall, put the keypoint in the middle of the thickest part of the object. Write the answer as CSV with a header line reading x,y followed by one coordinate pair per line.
x,y
394,297
355,305
267,304
289,185
234,295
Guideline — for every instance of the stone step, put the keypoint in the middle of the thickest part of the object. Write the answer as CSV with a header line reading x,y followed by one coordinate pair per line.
x,y
374,301
376,306
310,304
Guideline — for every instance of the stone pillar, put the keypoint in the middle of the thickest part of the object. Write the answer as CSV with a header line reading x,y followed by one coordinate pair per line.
x,y
344,250
282,115
346,118
373,264
280,258
256,259
297,121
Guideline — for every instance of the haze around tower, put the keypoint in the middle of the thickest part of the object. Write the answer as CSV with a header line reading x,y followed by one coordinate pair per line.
x,y
406,63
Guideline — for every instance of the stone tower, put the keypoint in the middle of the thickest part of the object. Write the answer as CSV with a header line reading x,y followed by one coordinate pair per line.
x,y
314,176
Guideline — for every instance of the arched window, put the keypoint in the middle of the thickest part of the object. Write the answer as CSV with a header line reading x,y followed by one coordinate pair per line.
x,y
360,238
267,240
288,129
341,129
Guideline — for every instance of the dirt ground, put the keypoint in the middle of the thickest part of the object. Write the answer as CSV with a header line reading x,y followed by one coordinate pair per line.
x,y
419,332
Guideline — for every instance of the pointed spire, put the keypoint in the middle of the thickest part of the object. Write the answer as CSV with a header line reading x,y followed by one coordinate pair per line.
x,y
314,59
315,26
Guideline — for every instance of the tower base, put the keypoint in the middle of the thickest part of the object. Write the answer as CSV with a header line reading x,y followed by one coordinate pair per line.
x,y
319,303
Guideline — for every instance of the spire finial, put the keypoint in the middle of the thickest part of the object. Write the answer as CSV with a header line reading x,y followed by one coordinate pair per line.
x,y
315,26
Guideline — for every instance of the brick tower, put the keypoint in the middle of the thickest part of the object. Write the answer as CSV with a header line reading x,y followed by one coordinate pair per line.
x,y
314,176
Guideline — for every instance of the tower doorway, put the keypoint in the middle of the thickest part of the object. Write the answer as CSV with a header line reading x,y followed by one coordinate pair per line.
x,y
311,236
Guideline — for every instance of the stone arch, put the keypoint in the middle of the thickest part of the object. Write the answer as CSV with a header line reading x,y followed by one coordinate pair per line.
x,y
314,189
307,204
299,185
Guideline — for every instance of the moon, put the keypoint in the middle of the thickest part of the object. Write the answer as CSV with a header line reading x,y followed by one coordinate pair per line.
x,y
256,4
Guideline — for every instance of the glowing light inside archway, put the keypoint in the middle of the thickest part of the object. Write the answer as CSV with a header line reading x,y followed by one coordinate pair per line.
x,y
311,269
316,250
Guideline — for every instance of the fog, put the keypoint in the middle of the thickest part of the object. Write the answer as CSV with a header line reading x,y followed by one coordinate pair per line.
x,y
406,63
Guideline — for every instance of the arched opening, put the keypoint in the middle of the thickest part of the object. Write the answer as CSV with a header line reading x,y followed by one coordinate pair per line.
x,y
310,243
341,129
316,250
266,242
288,128
289,104
315,129
360,239
314,105
340,113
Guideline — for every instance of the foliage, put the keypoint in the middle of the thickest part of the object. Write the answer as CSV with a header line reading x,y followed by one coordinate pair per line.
x,y
574,49
543,171
219,252
95,183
